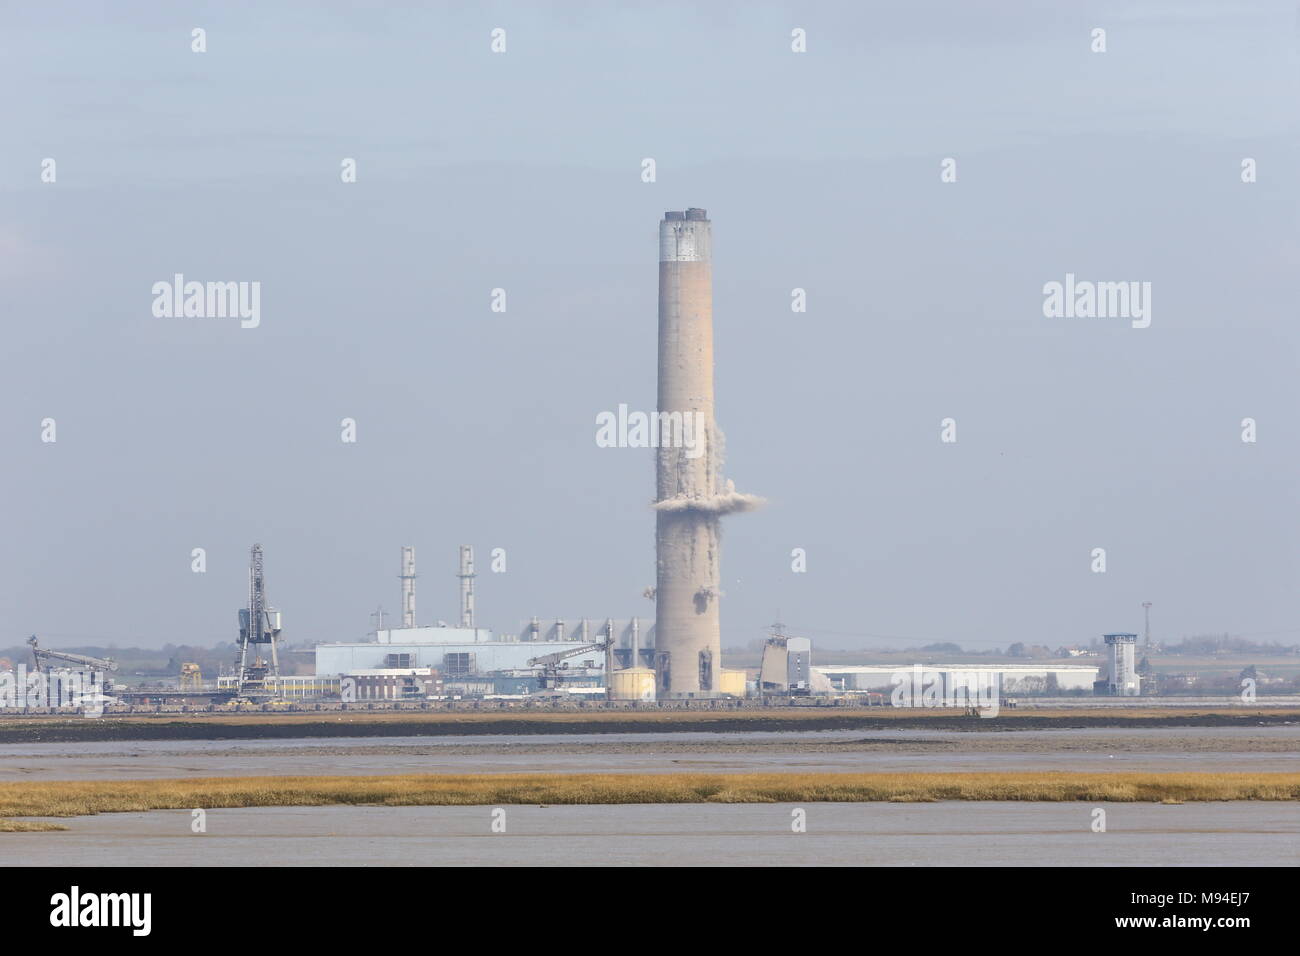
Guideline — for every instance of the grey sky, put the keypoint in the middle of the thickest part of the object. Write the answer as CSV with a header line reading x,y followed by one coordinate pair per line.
x,y
819,170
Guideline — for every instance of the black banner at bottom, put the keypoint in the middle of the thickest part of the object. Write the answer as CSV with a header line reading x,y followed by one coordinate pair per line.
x,y
324,905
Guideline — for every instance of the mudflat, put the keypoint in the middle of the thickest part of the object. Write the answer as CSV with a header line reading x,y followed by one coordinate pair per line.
x,y
262,726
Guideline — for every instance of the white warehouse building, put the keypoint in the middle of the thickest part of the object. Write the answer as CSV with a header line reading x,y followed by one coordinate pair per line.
x,y
451,651
1012,678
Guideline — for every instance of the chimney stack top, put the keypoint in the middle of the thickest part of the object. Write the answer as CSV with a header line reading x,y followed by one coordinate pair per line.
x,y
692,214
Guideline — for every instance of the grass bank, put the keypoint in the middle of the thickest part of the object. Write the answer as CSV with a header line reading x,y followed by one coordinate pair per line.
x,y
79,798
28,826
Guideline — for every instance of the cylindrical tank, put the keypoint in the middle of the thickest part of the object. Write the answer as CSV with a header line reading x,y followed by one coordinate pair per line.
x,y
733,683
632,683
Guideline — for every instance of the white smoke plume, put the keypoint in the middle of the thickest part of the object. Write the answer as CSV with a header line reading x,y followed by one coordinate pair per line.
x,y
729,501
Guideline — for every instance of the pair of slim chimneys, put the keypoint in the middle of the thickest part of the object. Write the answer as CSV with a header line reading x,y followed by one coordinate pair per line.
x,y
466,575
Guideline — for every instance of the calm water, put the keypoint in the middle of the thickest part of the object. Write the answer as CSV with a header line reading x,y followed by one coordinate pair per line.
x,y
877,834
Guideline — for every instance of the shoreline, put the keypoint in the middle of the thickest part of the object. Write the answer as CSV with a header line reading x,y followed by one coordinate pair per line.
x,y
268,726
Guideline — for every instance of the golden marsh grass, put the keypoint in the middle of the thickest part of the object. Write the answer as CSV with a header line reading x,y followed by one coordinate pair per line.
x,y
28,826
79,798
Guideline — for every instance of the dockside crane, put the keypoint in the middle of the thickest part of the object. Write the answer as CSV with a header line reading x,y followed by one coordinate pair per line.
x,y
551,663
42,657
259,624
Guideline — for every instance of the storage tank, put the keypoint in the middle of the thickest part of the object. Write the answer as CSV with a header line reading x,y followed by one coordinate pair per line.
x,y
734,683
632,683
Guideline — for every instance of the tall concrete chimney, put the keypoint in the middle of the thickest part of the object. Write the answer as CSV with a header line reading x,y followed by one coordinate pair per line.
x,y
691,494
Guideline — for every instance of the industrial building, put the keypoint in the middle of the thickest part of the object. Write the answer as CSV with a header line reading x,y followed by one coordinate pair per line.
x,y
569,655
786,667
421,683
1012,678
622,659
1122,679
457,652
287,686
474,662
452,651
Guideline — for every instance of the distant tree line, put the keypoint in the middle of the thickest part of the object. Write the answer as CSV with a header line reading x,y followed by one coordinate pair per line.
x,y
1207,644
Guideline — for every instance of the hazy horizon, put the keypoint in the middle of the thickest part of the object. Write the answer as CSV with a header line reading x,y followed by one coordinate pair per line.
x,y
522,170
